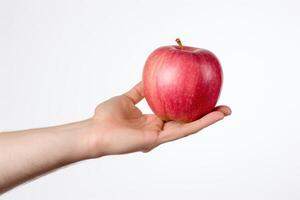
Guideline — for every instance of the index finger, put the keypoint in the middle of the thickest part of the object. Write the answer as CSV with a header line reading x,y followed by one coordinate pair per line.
x,y
183,130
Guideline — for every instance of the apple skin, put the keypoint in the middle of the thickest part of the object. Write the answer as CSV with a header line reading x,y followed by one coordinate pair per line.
x,y
182,83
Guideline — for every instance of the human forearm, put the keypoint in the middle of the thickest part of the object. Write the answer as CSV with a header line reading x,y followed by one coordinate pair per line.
x,y
117,127
30,153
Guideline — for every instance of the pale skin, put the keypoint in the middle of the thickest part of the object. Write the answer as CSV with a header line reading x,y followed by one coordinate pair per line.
x,y
117,127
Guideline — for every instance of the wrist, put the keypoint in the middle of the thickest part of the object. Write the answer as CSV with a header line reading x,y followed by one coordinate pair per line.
x,y
87,138
94,144
75,138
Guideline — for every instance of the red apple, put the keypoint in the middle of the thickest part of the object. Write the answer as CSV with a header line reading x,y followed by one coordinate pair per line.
x,y
182,83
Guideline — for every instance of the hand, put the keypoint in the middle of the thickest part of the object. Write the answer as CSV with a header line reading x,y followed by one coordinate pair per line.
x,y
120,127
117,127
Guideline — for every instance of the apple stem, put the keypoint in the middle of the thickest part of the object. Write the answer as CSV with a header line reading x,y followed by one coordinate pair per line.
x,y
179,42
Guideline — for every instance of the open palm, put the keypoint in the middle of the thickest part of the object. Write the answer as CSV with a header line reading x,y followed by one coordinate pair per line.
x,y
130,130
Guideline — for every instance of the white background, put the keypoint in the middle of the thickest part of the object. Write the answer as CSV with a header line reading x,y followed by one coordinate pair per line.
x,y
59,59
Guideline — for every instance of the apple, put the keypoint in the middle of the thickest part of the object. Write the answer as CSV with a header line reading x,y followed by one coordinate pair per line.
x,y
182,83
